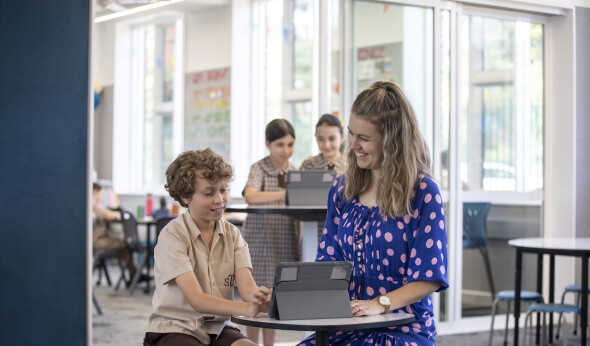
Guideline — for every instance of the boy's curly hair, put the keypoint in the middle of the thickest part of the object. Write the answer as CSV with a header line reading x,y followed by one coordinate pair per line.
x,y
180,175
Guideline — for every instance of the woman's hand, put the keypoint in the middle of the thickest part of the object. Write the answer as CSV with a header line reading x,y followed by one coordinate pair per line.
x,y
403,296
365,307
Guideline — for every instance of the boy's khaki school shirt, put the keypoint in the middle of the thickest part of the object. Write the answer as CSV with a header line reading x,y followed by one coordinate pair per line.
x,y
180,249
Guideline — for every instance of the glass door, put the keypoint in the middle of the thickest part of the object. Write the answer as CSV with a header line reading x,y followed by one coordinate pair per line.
x,y
501,114
475,78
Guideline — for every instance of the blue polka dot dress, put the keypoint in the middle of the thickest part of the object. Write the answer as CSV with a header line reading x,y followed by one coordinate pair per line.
x,y
387,254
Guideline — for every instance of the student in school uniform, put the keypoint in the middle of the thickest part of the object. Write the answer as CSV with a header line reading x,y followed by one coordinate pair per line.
x,y
104,237
272,238
330,138
162,211
198,259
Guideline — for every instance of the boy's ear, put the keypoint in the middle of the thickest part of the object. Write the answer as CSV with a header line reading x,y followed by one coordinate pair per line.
x,y
267,145
185,200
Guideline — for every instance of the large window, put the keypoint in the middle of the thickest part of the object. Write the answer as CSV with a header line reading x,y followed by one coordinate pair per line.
x,y
288,52
502,110
148,105
158,102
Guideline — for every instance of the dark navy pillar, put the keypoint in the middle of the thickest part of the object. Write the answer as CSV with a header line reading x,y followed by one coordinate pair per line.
x,y
44,64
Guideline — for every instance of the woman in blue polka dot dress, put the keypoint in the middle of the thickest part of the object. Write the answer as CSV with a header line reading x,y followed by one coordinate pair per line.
x,y
386,216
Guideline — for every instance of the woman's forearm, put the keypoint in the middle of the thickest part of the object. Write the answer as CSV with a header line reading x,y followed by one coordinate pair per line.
x,y
411,293
253,196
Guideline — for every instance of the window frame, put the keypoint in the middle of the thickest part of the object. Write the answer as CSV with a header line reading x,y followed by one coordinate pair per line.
x,y
128,108
501,197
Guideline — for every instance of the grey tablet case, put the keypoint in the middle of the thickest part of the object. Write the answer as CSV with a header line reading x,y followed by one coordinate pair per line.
x,y
308,188
311,290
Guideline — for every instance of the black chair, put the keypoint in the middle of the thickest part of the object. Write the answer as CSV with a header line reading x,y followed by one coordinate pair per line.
x,y
475,234
134,246
100,258
161,223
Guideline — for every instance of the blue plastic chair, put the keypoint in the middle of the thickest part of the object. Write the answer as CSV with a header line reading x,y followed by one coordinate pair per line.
x,y
544,309
508,296
475,234
577,290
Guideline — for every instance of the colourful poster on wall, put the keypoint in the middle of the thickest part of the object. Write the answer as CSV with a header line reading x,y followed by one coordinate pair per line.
x,y
207,111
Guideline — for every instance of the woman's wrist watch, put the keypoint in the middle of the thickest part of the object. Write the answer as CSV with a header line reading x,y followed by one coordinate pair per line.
x,y
384,302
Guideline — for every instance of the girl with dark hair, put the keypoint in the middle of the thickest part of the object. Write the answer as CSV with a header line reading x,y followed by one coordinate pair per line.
x,y
272,238
386,216
329,136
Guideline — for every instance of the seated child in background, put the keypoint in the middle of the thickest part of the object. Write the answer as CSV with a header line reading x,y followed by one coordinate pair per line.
x,y
103,237
163,211
198,257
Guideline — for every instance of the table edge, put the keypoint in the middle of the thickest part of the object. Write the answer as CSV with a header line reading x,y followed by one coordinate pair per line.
x,y
283,325
548,248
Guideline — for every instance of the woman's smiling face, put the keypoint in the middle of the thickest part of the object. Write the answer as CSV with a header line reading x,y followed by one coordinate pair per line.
x,y
365,140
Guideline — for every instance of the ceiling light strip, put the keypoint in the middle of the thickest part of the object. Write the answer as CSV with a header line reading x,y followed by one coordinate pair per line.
x,y
134,10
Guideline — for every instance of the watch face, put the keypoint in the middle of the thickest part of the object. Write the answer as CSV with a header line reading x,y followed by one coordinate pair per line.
x,y
384,300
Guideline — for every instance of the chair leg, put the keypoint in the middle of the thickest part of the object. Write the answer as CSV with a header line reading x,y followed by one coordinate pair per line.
x,y
99,269
122,278
96,304
544,337
103,265
559,325
486,259
506,328
562,316
527,322
144,259
578,297
494,306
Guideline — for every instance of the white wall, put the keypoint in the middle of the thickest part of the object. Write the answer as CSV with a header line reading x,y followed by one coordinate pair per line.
x,y
208,39
103,45
387,18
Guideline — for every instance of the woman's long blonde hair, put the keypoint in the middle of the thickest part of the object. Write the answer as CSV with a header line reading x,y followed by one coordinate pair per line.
x,y
405,153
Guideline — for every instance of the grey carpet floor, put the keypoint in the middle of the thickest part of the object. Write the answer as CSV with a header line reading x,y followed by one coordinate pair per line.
x,y
125,320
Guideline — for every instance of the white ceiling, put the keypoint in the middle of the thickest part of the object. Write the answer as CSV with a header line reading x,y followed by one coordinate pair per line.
x,y
105,7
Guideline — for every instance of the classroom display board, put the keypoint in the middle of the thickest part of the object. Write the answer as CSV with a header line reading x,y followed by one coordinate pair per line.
x,y
380,63
207,111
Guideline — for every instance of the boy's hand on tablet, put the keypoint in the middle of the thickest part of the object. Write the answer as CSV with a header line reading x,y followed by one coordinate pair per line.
x,y
260,301
262,295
